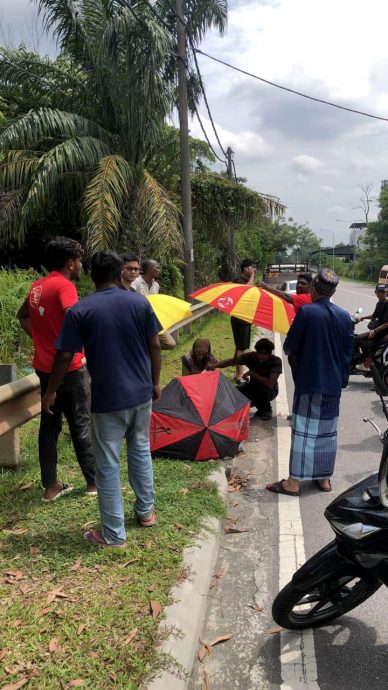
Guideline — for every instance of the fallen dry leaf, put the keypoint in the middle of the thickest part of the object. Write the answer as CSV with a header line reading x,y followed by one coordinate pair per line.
x,y
257,609
77,564
53,645
178,525
236,504
27,485
217,640
278,629
88,524
127,640
77,683
81,628
93,655
33,550
3,653
148,545
127,563
17,685
151,588
19,531
56,594
202,652
205,683
234,530
155,609
184,491
17,623
25,589
16,574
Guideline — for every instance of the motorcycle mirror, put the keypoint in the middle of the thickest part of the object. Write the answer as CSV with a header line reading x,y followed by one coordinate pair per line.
x,y
359,310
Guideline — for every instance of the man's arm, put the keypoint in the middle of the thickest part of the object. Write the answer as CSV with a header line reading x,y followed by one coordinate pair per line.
x,y
268,381
153,346
274,291
58,372
224,363
24,318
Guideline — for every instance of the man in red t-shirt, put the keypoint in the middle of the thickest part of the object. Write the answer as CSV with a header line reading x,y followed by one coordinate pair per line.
x,y
41,316
302,297
302,291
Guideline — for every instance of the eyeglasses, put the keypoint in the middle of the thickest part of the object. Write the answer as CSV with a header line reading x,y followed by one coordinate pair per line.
x,y
131,269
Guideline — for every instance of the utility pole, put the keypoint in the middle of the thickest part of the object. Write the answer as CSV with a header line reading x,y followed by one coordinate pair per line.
x,y
185,151
229,154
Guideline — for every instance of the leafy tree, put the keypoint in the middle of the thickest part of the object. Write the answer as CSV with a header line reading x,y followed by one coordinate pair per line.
x,y
97,121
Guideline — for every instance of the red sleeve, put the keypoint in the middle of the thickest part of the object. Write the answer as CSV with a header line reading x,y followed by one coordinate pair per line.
x,y
67,295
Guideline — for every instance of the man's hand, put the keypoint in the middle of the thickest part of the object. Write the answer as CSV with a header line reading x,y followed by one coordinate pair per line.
x,y
155,392
371,335
48,401
261,284
211,366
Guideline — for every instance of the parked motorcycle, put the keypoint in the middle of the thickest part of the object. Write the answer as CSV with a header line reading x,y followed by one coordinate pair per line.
x,y
351,568
380,356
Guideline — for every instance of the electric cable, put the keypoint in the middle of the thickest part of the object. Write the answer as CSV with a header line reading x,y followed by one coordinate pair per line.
x,y
204,93
207,138
286,88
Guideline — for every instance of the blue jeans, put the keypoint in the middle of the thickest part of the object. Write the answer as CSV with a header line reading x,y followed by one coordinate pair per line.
x,y
108,431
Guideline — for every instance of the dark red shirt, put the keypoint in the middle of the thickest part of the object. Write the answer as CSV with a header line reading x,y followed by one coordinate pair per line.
x,y
48,300
299,300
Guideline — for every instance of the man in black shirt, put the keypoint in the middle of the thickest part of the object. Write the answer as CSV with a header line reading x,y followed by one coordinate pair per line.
x,y
242,329
369,342
260,381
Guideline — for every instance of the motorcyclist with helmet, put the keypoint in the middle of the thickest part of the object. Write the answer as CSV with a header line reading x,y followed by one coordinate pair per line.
x,y
378,326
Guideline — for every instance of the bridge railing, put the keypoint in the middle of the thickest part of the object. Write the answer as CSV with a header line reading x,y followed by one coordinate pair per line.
x,y
20,399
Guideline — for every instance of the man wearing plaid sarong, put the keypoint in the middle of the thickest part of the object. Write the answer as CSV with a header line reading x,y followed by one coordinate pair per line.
x,y
321,338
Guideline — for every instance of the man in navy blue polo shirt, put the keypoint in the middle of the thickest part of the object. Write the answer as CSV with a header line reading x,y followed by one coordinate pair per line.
x,y
119,333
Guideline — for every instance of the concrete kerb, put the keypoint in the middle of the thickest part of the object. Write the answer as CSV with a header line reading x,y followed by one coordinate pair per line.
x,y
185,616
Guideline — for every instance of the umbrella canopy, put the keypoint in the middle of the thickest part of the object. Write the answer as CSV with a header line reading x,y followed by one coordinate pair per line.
x,y
169,310
249,303
199,417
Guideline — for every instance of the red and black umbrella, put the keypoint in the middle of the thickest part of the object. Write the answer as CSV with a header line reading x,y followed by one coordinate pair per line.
x,y
199,417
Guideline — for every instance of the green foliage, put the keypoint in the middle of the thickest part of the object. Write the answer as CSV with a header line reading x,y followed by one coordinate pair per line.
x,y
231,219
15,345
89,122
291,240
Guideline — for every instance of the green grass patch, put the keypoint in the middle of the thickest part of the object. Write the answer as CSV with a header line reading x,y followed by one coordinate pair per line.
x,y
71,612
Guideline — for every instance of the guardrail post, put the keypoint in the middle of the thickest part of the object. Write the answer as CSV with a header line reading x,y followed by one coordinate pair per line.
x,y
9,442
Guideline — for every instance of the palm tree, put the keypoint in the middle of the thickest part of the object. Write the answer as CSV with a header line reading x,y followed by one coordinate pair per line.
x,y
100,122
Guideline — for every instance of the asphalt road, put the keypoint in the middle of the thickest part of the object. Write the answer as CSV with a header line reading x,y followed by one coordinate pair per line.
x,y
354,652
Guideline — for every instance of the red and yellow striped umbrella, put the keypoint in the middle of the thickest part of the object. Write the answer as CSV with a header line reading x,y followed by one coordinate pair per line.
x,y
249,303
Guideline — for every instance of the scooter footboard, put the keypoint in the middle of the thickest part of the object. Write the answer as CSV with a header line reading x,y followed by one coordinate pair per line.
x,y
326,561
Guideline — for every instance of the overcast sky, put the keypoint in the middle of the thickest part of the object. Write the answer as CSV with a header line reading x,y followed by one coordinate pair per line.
x,y
313,157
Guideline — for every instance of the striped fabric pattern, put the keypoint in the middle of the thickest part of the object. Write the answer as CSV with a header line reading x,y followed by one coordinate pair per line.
x,y
314,436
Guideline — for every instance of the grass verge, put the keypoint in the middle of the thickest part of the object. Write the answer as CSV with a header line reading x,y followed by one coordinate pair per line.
x,y
75,616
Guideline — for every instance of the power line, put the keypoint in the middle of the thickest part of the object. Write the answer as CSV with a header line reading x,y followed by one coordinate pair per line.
x,y
286,88
204,93
206,136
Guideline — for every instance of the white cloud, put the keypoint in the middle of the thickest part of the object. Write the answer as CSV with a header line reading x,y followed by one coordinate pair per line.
x,y
326,189
305,164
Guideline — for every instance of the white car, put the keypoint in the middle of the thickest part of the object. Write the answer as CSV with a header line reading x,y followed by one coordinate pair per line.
x,y
289,287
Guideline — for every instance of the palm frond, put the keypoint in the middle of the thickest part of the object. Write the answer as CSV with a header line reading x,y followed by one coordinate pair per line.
x,y
72,155
205,15
105,198
49,123
16,168
65,19
158,218
10,204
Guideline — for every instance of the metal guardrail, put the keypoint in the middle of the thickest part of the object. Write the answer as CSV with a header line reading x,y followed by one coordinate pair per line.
x,y
20,400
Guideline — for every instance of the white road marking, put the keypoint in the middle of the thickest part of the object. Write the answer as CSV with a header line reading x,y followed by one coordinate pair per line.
x,y
297,650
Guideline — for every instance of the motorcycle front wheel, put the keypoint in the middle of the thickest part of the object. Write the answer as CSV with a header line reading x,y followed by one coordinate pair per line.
x,y
317,605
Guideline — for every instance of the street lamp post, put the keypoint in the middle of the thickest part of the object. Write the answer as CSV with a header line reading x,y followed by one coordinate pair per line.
x,y
333,247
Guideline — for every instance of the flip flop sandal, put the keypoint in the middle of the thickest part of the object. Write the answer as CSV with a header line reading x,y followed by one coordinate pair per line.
x,y
66,488
277,488
94,536
318,485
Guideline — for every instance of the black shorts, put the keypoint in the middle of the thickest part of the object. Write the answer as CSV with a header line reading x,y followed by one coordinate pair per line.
x,y
241,333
